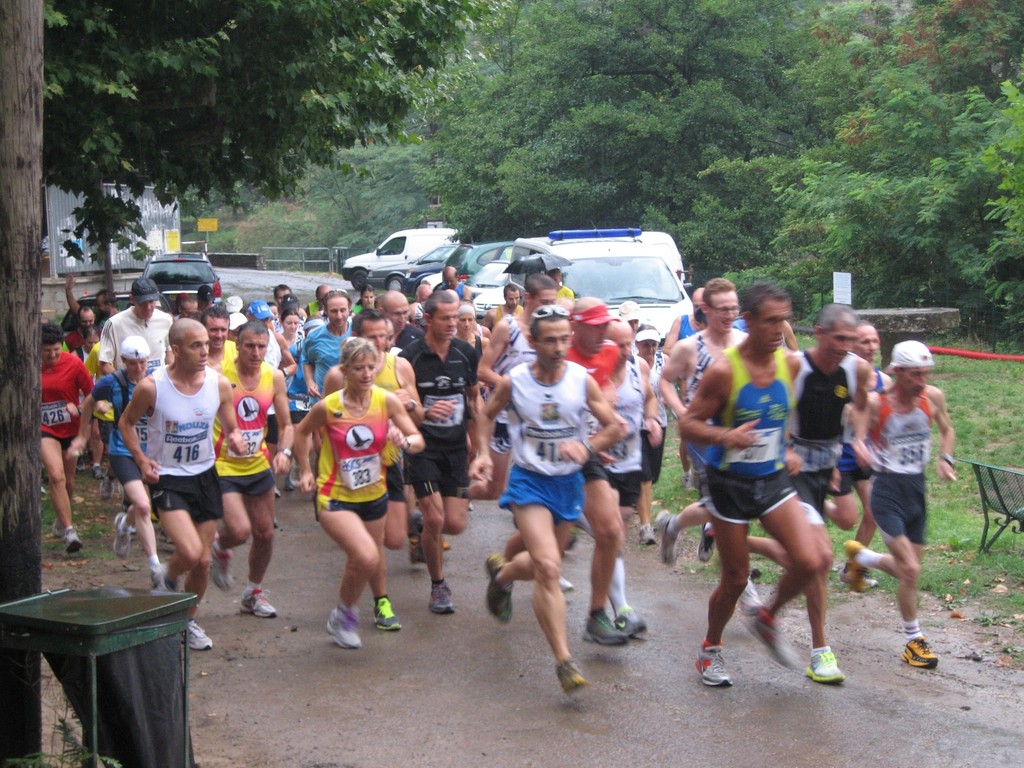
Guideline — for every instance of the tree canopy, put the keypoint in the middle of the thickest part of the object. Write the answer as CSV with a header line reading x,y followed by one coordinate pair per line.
x,y
209,94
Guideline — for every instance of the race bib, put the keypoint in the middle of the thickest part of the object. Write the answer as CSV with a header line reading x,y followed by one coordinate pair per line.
x,y
55,413
359,472
253,440
766,448
458,412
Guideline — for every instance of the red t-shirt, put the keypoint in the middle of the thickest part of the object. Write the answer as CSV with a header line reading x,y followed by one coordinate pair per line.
x,y
600,366
63,383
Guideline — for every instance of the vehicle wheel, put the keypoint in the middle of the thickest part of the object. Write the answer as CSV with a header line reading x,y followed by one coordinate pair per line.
x,y
358,279
394,283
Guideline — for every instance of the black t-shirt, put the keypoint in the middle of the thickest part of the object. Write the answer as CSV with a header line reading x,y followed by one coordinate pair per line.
x,y
447,379
408,335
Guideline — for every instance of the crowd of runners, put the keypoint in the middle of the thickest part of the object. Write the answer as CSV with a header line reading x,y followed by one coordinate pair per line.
x,y
396,417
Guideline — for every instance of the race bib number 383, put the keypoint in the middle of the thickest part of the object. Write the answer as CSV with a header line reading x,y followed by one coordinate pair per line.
x,y
359,472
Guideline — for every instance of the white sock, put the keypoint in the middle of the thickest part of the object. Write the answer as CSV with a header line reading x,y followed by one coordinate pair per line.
x,y
823,649
617,590
912,629
252,587
868,558
154,561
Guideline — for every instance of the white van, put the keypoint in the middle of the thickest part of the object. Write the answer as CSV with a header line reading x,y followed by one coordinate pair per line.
x,y
399,248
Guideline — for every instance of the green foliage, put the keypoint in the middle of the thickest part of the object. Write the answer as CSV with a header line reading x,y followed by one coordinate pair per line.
x,y
204,95
615,128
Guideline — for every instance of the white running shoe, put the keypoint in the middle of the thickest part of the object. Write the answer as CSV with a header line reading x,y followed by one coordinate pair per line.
x,y
122,535
750,602
647,534
343,626
255,602
220,567
668,540
565,585
197,639
71,541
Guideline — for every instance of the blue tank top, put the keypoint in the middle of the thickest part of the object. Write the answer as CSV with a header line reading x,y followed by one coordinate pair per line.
x,y
769,406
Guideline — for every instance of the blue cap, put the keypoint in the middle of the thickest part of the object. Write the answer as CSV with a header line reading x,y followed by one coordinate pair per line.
x,y
259,309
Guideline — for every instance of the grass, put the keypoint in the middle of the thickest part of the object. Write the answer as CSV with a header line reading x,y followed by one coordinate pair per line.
x,y
984,399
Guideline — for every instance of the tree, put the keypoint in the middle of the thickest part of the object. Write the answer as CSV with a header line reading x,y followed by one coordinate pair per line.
x,y
206,94
21,118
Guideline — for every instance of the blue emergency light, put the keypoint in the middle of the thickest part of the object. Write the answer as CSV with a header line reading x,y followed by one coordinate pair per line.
x,y
592,234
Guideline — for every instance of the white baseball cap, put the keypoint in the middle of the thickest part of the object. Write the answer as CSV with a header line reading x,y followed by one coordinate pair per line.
x,y
134,348
629,310
912,354
236,320
233,304
648,335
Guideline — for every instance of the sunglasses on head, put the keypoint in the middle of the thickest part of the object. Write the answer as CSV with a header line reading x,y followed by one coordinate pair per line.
x,y
550,310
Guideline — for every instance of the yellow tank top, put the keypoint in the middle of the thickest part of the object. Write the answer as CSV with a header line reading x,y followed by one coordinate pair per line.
x,y
251,408
350,467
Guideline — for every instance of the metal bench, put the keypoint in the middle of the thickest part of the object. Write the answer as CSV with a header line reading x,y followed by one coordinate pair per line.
x,y
1002,500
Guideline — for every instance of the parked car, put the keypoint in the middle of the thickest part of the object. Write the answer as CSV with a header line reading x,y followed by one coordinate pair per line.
x,y
397,277
122,300
469,261
489,283
569,242
176,273
398,250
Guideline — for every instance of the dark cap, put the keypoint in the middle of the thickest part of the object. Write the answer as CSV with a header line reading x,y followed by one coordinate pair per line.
x,y
205,293
144,289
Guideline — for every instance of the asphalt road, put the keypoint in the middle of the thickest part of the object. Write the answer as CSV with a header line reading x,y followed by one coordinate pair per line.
x,y
256,284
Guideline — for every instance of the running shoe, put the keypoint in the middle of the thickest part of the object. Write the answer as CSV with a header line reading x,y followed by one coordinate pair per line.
x,y
106,487
750,602
570,677
343,626
763,626
384,616
441,598
824,668
162,581
854,571
255,602
97,472
499,596
706,548
647,535
668,539
416,549
220,566
197,639
565,585
58,529
919,654
600,630
122,534
628,620
71,541
711,666
289,484
844,577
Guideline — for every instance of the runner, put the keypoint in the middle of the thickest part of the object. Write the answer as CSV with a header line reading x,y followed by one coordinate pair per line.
x,y
900,448
351,489
394,375
748,395
445,370
182,400
544,401
64,382
321,349
646,342
246,479
143,319
111,395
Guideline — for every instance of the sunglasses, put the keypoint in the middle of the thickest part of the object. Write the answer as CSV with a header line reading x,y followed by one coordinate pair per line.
x,y
550,310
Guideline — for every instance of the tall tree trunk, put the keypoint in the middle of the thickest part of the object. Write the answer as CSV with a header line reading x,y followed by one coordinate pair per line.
x,y
21,145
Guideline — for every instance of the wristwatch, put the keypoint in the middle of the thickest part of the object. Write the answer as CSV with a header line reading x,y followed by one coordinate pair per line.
x,y
948,458
287,452
407,443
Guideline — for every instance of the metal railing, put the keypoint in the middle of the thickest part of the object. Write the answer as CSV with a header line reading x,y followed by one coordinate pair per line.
x,y
305,259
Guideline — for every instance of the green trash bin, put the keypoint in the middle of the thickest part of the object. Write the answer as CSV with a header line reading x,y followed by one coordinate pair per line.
x,y
122,659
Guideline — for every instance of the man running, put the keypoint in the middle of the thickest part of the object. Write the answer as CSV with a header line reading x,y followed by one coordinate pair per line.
x,y
246,479
548,398
216,320
112,394
748,395
495,315
143,319
182,400
396,308
900,448
445,370
322,348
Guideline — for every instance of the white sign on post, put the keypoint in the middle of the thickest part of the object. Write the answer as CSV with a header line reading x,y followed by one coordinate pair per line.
x,y
842,288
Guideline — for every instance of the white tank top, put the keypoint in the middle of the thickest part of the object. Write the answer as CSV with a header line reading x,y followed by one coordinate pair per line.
x,y
630,406
181,427
540,416
518,350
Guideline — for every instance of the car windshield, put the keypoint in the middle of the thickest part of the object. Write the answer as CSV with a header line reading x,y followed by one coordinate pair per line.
x,y
180,272
437,255
491,275
614,279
